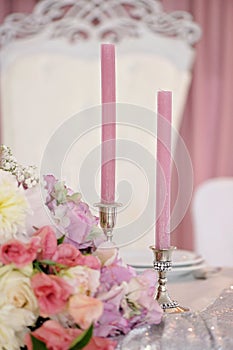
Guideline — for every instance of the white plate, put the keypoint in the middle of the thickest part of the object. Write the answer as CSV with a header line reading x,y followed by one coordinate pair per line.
x,y
178,271
180,258
185,270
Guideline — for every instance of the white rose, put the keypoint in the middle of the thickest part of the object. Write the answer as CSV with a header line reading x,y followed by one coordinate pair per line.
x,y
83,279
13,326
15,289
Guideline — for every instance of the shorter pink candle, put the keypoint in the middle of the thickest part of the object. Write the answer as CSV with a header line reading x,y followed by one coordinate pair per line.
x,y
108,152
163,177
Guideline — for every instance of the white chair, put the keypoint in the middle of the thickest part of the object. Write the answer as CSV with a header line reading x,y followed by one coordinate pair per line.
x,y
50,70
50,63
212,211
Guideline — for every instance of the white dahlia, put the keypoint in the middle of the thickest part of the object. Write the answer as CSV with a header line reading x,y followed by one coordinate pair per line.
x,y
13,207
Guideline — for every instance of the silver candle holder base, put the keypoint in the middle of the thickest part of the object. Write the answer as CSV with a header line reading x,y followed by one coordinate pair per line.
x,y
163,264
108,215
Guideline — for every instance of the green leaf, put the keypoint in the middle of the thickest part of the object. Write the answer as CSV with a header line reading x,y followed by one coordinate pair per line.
x,y
36,265
82,340
37,344
52,263
60,240
75,197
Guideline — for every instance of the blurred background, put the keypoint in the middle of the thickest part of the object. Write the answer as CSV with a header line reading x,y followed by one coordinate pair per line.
x,y
46,63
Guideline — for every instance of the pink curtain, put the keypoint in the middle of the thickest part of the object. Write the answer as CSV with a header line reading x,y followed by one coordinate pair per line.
x,y
10,6
207,125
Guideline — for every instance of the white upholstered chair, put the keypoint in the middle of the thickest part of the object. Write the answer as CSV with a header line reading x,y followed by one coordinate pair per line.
x,y
50,70
212,211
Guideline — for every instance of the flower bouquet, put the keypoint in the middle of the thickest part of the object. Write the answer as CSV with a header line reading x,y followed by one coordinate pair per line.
x,y
58,289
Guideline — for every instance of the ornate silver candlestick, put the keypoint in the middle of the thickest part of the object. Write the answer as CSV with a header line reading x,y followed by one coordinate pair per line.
x,y
108,214
162,264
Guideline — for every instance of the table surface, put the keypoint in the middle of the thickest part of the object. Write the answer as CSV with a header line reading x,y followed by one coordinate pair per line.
x,y
207,326
197,294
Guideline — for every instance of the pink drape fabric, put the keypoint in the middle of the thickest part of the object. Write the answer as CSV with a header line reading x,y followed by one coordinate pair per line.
x,y
10,6
207,125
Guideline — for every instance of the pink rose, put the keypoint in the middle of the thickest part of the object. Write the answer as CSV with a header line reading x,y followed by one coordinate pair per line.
x,y
19,253
48,242
54,336
67,254
90,261
97,343
84,310
52,293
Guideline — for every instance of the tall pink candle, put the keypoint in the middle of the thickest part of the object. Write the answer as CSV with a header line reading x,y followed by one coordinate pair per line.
x,y
163,175
108,153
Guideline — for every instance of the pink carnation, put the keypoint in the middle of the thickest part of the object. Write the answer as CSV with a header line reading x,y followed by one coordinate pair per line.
x,y
52,293
67,254
19,253
54,336
90,261
48,242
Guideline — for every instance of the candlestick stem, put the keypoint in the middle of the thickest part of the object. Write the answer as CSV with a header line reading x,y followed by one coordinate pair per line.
x,y
108,214
163,264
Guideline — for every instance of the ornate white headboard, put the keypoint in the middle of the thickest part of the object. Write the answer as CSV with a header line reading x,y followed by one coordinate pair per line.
x,y
50,68
111,20
56,49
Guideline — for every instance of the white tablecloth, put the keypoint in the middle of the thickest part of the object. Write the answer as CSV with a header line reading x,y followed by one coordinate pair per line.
x,y
197,294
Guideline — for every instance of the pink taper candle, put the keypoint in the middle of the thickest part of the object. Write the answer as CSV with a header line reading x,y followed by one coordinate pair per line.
x,y
163,175
108,123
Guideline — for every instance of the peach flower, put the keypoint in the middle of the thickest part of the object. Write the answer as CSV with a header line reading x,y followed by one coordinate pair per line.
x,y
106,256
84,310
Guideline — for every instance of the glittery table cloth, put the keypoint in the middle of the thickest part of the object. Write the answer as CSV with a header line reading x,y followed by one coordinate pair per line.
x,y
208,329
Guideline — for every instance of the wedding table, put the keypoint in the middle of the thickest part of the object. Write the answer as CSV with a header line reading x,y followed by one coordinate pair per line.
x,y
199,293
208,325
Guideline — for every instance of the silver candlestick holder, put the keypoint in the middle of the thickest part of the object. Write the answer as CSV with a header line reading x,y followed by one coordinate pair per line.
x,y
163,264
108,215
